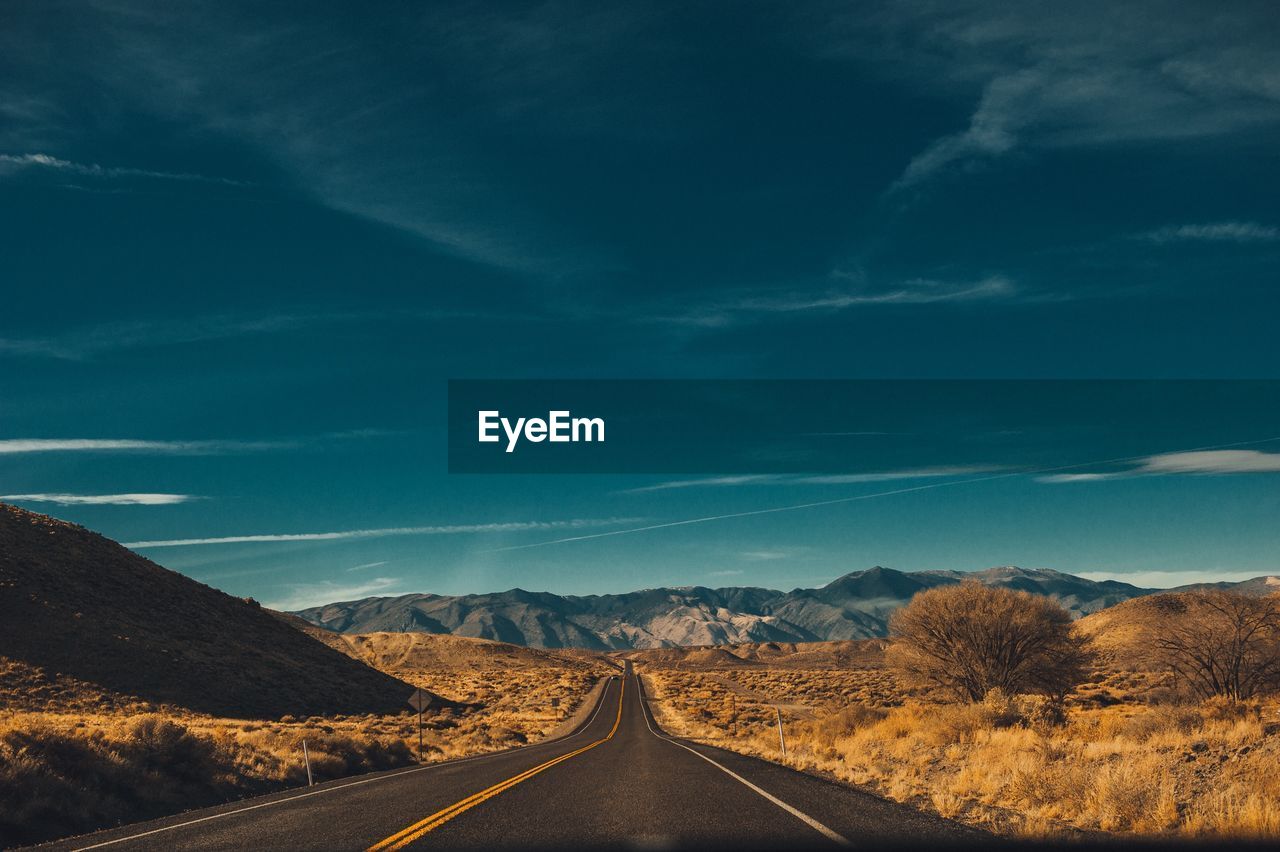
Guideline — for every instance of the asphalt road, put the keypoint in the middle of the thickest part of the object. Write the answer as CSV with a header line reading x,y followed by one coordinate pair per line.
x,y
618,781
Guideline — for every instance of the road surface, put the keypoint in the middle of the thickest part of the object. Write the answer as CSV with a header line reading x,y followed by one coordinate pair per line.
x,y
618,781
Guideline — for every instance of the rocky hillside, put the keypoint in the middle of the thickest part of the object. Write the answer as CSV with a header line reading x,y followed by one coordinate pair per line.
x,y
78,608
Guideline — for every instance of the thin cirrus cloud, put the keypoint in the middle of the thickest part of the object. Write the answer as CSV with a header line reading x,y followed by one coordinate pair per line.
x,y
10,162
434,184
1067,478
14,446
368,565
824,479
1215,232
83,343
706,482
101,499
891,475
1214,461
1049,77
346,535
914,291
1194,462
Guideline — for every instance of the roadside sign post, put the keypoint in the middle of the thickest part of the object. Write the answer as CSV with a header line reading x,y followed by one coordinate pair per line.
x,y
781,737
306,757
420,701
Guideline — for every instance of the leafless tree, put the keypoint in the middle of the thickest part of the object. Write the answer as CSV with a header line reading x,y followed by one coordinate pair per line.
x,y
969,638
1218,643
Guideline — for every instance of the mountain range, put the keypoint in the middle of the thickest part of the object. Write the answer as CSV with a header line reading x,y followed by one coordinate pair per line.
x,y
855,606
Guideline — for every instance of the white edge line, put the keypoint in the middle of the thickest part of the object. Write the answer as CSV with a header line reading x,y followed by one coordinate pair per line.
x,y
386,777
798,814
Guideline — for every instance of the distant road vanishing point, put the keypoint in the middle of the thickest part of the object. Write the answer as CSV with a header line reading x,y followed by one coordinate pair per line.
x,y
617,781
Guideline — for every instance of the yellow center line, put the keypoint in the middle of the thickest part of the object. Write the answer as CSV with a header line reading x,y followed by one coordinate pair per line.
x,y
403,838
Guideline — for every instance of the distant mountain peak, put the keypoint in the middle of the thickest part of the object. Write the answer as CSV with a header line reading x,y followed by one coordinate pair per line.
x,y
872,572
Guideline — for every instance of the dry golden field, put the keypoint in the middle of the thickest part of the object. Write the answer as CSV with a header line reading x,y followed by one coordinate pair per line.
x,y
75,757
1120,757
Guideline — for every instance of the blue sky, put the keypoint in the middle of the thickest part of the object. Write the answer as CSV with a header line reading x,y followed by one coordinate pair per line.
x,y
245,246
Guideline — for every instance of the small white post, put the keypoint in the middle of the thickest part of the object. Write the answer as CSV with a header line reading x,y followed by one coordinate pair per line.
x,y
307,757
781,737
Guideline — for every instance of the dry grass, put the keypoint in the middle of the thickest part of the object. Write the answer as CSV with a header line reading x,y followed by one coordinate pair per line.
x,y
519,694
1108,762
65,774
75,757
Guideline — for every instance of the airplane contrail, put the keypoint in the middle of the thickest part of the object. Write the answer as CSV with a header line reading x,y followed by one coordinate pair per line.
x,y
815,504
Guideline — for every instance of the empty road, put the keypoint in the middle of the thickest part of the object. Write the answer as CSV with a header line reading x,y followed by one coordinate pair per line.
x,y
618,781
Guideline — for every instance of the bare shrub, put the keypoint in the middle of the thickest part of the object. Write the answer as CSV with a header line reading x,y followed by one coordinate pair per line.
x,y
969,639
1141,727
1219,643
1129,796
845,720
999,709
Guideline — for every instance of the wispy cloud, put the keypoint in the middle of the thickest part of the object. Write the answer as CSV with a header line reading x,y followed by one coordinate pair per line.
x,y
1215,232
914,291
706,482
367,565
1214,461
308,94
824,479
83,343
343,535
10,162
993,130
1194,462
304,595
1051,76
762,556
208,447
890,475
9,446
1066,478
727,573
101,499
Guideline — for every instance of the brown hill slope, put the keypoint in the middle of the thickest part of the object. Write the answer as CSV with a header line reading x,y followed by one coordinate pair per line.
x,y
1124,633
1119,629
395,653
76,605
509,693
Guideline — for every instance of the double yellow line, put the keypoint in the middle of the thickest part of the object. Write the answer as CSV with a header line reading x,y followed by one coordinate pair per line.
x,y
403,838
